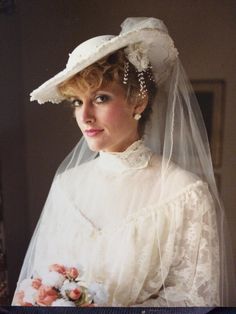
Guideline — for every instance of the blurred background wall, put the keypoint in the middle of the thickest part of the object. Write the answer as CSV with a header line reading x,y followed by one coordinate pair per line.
x,y
34,44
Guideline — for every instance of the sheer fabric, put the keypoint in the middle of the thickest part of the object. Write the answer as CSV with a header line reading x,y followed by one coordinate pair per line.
x,y
148,222
119,234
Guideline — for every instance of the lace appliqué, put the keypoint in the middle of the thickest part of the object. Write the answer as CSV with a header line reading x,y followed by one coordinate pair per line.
x,y
136,156
193,276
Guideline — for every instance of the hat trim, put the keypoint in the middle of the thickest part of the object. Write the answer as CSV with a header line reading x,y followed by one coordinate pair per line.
x,y
48,91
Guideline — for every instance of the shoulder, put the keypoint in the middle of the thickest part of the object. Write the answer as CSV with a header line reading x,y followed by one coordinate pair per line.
x,y
176,182
178,179
77,173
187,193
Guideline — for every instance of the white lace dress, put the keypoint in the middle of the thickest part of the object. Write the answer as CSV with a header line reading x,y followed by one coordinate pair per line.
x,y
107,215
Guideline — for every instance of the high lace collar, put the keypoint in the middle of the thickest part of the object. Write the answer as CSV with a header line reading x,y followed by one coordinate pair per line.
x,y
136,156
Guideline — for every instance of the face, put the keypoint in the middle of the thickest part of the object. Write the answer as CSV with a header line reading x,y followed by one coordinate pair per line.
x,y
106,118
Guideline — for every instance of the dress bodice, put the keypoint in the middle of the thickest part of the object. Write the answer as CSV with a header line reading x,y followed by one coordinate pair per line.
x,y
109,216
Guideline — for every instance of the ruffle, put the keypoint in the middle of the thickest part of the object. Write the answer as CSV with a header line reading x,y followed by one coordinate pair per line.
x,y
192,195
126,258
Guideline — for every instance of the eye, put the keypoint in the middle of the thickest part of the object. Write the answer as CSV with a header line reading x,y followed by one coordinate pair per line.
x,y
100,99
76,103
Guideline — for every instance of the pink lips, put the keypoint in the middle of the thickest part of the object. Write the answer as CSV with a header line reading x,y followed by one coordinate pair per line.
x,y
92,132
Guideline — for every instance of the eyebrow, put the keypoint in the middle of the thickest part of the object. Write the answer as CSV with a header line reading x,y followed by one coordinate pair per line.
x,y
99,91
102,91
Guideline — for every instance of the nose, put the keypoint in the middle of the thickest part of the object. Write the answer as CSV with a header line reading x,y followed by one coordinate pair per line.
x,y
87,113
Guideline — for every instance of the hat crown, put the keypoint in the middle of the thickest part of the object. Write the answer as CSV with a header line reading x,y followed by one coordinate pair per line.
x,y
136,32
136,23
86,49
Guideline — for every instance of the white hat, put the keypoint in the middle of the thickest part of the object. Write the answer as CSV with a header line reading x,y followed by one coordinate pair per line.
x,y
146,36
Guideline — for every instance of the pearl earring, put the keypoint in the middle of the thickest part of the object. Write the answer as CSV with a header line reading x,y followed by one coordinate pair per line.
x,y
137,116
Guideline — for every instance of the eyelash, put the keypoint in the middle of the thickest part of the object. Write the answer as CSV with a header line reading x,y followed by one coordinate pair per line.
x,y
103,99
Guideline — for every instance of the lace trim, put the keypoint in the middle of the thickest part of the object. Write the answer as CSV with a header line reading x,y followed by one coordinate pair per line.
x,y
136,156
195,191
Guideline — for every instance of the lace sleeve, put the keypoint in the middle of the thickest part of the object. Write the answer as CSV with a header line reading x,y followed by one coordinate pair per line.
x,y
193,278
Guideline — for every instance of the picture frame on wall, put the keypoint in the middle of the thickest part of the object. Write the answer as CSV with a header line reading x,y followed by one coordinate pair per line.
x,y
211,96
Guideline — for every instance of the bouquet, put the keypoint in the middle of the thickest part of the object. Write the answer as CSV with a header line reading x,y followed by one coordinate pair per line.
x,y
59,286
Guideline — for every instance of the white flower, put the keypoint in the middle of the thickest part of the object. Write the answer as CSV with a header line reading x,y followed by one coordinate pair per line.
x,y
29,291
68,286
62,302
30,295
98,293
137,55
53,279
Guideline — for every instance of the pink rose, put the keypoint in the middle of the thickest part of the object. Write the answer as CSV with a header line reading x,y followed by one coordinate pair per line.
x,y
46,295
26,304
58,268
18,299
36,283
75,294
72,272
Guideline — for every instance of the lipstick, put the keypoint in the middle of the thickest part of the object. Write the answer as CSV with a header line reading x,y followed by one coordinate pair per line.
x,y
93,132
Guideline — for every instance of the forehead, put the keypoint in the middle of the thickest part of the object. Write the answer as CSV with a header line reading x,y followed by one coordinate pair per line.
x,y
114,88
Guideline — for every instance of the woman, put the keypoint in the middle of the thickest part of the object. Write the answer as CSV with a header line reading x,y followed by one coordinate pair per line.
x,y
135,203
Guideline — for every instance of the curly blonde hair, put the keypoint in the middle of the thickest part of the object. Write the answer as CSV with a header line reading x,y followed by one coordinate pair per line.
x,y
109,69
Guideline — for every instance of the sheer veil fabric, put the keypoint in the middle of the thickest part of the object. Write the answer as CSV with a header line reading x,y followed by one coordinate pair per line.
x,y
176,148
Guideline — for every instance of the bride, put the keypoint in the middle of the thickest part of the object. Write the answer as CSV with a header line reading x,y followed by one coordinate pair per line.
x,y
135,203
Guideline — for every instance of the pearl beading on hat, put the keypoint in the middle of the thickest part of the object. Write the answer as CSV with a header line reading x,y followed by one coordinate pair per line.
x,y
126,73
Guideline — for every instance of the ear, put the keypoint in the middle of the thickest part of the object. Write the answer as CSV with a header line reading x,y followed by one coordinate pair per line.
x,y
141,105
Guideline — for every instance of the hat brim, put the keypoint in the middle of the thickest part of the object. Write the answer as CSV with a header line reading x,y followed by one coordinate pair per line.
x,y
161,52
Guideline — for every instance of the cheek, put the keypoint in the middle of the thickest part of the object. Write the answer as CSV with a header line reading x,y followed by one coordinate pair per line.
x,y
118,117
112,118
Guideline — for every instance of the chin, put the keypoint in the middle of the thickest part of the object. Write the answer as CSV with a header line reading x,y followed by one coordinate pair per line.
x,y
95,147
